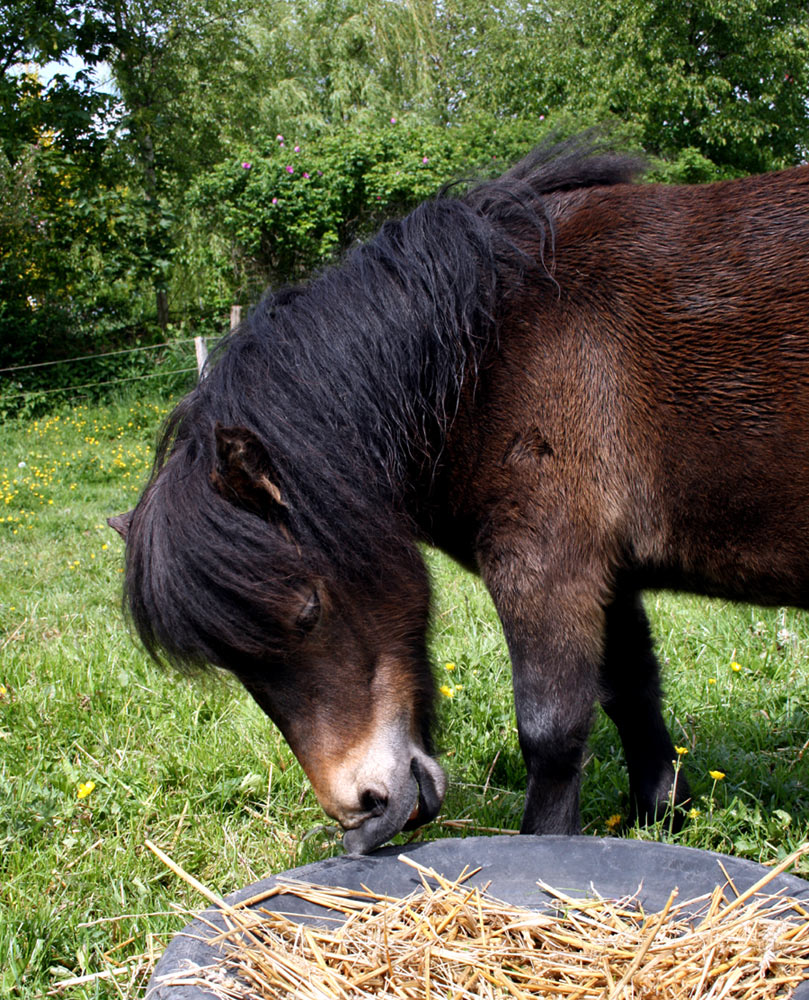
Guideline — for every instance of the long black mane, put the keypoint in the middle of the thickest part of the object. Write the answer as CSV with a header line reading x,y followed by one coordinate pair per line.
x,y
349,382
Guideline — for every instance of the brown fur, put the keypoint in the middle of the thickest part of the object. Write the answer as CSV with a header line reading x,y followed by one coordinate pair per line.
x,y
581,387
645,424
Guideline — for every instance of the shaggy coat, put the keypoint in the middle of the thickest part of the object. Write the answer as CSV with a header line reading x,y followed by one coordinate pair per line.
x,y
580,386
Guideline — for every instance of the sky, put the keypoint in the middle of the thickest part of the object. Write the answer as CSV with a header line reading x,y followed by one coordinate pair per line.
x,y
70,66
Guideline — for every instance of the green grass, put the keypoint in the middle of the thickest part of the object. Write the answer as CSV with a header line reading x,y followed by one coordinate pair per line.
x,y
195,767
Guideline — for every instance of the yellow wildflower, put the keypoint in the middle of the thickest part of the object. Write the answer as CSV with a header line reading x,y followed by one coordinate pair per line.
x,y
446,690
717,775
613,821
735,667
449,666
85,788
693,813
681,751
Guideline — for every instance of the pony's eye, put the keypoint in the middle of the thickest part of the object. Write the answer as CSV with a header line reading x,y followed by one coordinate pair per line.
x,y
310,613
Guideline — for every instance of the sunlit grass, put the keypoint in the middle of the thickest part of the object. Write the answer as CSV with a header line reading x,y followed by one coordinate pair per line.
x,y
99,750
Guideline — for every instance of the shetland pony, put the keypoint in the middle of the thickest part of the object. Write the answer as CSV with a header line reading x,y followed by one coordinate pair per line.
x,y
578,385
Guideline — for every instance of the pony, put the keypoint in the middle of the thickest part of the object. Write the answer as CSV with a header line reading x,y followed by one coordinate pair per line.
x,y
578,385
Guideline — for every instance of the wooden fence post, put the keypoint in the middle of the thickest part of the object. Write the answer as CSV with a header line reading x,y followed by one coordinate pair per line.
x,y
202,354
199,342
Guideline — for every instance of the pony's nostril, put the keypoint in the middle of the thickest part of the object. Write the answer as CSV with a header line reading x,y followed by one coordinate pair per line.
x,y
373,801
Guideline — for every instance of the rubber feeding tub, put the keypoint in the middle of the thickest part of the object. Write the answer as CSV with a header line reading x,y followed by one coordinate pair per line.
x,y
510,866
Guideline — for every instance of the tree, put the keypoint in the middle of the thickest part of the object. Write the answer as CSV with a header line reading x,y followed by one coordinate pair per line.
x,y
67,110
115,208
496,58
52,141
332,61
724,80
175,64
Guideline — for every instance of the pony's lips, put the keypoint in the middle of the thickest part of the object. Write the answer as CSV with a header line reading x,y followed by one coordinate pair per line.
x,y
430,795
414,807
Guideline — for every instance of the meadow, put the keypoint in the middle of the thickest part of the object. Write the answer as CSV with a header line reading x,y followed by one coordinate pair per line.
x,y
100,750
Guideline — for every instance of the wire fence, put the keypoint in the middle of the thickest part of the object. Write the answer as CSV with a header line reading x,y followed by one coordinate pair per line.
x,y
117,368
15,394
93,357
95,385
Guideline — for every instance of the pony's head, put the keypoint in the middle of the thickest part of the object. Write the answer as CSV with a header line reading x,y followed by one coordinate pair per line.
x,y
216,574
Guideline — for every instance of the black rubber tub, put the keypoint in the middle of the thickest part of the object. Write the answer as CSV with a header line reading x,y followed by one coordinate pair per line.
x,y
582,866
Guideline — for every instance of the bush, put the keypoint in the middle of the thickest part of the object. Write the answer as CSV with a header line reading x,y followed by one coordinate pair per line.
x,y
290,206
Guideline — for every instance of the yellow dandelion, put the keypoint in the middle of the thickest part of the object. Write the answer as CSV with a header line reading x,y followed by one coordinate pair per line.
x,y
717,775
84,789
447,691
712,680
735,667
449,666
3,690
681,751
613,821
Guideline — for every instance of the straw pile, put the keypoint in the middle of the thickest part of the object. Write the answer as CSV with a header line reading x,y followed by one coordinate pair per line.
x,y
451,941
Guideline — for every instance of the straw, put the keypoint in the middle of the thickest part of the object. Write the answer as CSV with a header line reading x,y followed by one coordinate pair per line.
x,y
452,941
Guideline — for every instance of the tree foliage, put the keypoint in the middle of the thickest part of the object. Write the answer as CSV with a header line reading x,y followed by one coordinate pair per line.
x,y
728,79
42,31
168,195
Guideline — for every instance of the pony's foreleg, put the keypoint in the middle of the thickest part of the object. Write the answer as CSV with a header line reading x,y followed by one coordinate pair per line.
x,y
630,694
553,623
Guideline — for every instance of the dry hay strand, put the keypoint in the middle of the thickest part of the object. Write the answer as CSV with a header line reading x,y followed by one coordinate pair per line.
x,y
447,941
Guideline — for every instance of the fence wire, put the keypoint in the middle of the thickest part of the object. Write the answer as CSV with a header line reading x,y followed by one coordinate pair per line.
x,y
92,357
94,385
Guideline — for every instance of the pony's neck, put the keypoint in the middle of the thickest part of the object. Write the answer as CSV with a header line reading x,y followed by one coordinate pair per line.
x,y
352,381
382,343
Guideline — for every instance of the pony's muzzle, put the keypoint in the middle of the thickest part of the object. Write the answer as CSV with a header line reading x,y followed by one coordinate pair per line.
x,y
432,783
412,806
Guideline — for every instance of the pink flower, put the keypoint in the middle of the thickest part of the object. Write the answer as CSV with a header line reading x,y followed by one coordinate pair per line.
x,y
393,121
279,138
542,118
297,149
306,176
424,159
246,165
275,201
290,170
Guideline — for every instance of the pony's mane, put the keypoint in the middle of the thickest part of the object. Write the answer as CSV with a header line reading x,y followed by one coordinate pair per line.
x,y
349,382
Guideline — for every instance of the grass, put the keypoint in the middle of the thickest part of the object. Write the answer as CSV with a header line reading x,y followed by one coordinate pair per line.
x,y
99,750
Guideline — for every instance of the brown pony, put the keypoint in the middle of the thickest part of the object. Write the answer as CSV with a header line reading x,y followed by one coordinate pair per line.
x,y
581,386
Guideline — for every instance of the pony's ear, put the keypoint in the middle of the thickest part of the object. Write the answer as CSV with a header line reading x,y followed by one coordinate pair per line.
x,y
242,473
121,523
